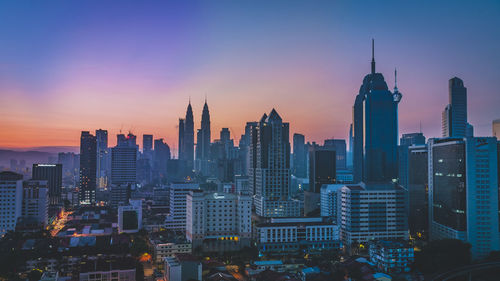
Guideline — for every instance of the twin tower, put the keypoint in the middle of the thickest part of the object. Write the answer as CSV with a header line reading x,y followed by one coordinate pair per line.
x,y
186,138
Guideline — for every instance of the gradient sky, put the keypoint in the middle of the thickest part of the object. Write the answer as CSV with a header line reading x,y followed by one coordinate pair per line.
x,y
132,65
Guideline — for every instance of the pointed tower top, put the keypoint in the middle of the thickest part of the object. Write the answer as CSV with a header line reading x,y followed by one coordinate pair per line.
x,y
205,98
373,56
395,80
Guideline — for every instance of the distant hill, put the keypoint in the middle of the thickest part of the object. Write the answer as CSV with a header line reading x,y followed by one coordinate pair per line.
x,y
29,156
50,149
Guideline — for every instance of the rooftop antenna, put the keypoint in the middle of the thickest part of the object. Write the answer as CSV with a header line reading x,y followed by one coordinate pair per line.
x,y
395,80
373,56
420,126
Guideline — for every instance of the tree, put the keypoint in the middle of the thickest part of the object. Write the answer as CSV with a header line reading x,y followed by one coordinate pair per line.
x,y
443,254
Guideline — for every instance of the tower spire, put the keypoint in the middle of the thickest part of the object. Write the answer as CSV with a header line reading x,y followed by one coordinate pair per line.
x,y
373,56
395,80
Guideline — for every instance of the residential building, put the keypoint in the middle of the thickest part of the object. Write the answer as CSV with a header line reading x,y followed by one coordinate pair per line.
x,y
130,216
330,201
176,219
218,222
11,196
35,202
375,212
124,163
270,168
391,256
182,267
103,158
291,235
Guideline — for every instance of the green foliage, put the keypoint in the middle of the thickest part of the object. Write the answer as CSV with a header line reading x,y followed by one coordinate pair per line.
x,y
443,254
139,246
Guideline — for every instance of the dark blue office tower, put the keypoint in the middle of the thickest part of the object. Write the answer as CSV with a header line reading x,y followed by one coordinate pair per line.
x,y
375,115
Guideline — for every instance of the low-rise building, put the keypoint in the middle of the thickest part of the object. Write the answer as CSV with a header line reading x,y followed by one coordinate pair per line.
x,y
182,267
130,217
289,235
168,246
391,256
122,269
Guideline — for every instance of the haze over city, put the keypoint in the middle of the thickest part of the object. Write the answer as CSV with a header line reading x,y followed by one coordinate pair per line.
x,y
67,66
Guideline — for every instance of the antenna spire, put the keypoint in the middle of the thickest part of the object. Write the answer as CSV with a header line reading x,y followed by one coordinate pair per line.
x,y
395,79
373,56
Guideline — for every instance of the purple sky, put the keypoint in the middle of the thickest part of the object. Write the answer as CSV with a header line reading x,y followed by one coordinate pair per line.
x,y
82,65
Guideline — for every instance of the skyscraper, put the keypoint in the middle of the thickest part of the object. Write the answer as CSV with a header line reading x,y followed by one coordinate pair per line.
x,y
375,133
188,145
417,186
271,168
463,192
102,158
180,149
454,116
88,159
299,156
322,171
349,155
52,173
405,142
160,159
124,163
203,141
339,146
147,146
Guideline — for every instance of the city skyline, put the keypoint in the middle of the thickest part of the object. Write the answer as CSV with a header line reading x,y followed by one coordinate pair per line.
x,y
82,70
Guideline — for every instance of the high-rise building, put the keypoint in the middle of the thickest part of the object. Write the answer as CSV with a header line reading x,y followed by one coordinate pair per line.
x,y
463,192
454,116
375,130
330,201
203,141
102,158
299,156
218,221
270,168
405,142
339,146
52,173
375,212
11,196
88,166
417,186
180,149
124,164
496,128
35,202
161,156
244,152
147,146
322,163
186,142
176,219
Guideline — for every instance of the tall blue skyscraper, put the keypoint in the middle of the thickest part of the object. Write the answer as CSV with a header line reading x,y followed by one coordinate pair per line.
x,y
454,116
186,138
375,132
463,192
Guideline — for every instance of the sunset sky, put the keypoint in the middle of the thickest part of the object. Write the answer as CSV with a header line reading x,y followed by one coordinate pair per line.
x,y
70,66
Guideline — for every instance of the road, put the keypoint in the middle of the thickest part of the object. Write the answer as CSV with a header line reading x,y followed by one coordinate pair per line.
x,y
59,223
450,274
